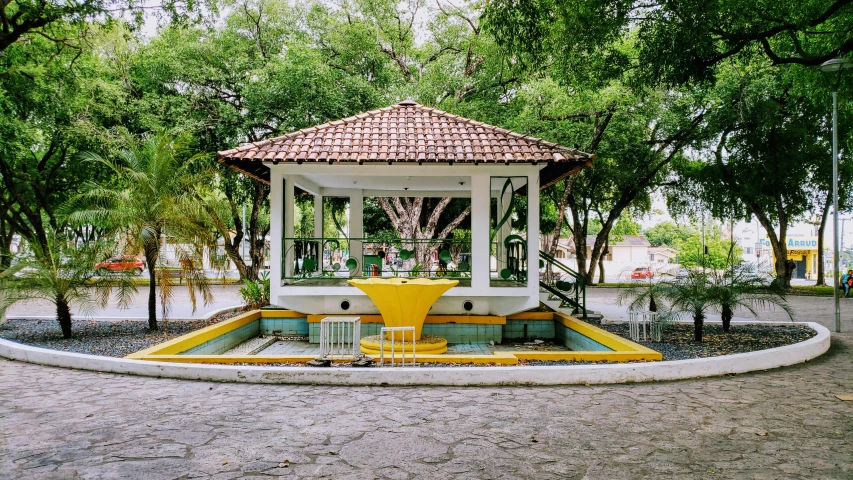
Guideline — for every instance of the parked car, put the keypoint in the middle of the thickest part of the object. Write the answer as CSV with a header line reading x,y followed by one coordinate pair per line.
x,y
642,272
121,263
682,274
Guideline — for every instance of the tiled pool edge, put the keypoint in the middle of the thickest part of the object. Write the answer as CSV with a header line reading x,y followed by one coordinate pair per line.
x,y
607,346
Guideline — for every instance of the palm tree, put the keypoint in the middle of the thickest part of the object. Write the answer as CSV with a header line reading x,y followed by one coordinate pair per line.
x,y
740,287
642,292
149,196
692,296
63,274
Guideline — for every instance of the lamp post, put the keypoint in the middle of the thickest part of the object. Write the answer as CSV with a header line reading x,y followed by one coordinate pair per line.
x,y
834,68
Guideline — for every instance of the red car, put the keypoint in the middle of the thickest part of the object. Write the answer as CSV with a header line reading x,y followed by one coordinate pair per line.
x,y
642,272
121,263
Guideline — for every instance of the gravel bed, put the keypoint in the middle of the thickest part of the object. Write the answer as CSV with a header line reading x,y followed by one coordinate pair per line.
x,y
111,339
679,344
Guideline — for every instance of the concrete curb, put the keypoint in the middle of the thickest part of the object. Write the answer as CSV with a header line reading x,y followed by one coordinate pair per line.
x,y
206,316
450,376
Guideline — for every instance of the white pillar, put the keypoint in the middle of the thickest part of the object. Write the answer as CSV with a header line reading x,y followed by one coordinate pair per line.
x,y
318,216
356,228
276,226
480,199
533,231
288,225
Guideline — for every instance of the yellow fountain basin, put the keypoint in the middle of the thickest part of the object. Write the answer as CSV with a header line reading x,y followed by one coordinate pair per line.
x,y
428,344
404,302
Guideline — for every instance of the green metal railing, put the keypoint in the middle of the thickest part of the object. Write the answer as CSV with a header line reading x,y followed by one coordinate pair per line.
x,y
570,287
335,258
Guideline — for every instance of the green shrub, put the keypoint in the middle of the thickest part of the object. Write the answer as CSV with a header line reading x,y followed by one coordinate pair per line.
x,y
256,294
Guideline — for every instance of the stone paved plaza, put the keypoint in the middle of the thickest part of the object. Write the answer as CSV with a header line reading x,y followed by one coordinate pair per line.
x,y
783,424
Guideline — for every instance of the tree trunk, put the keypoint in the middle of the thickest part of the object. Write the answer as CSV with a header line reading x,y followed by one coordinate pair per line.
x,y
778,245
821,280
580,254
405,215
63,314
726,315
698,323
151,254
653,307
254,232
561,217
601,261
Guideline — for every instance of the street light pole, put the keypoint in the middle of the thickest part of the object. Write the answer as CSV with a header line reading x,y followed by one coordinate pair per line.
x,y
835,259
836,67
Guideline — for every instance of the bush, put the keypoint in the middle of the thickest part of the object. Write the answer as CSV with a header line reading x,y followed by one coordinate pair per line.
x,y
256,294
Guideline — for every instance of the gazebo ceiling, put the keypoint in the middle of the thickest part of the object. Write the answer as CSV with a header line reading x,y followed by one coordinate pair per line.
x,y
406,133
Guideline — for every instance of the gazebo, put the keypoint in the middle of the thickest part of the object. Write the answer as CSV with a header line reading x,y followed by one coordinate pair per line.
x,y
406,150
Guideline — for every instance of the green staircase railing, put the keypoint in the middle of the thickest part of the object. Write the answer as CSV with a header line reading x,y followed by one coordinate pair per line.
x,y
570,288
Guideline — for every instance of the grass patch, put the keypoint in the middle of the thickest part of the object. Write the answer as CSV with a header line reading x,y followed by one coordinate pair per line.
x,y
813,290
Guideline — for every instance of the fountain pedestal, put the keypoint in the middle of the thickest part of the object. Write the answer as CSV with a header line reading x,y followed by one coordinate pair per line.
x,y
404,302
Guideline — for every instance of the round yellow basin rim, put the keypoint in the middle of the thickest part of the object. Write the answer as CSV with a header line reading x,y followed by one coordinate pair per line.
x,y
436,345
368,351
402,281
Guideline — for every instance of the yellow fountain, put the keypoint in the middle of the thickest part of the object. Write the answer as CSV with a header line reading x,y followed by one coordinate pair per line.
x,y
404,302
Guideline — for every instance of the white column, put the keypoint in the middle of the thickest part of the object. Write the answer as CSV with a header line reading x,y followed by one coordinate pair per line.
x,y
533,231
288,225
318,216
480,199
356,228
276,226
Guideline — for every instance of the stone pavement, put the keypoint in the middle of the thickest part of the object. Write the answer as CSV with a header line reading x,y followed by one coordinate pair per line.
x,y
782,424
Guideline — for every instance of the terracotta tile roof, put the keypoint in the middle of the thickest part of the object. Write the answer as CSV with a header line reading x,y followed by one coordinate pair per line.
x,y
406,132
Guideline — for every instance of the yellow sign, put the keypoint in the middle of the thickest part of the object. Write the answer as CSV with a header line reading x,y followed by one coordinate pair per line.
x,y
800,252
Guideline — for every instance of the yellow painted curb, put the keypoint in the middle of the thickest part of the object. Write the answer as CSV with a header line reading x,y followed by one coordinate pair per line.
x,y
282,314
609,340
192,339
531,316
569,356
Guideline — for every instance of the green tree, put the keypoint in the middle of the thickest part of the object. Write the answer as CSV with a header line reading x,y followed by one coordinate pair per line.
x,y
720,249
261,74
626,226
762,145
149,197
678,42
62,274
27,19
54,102
741,287
668,234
